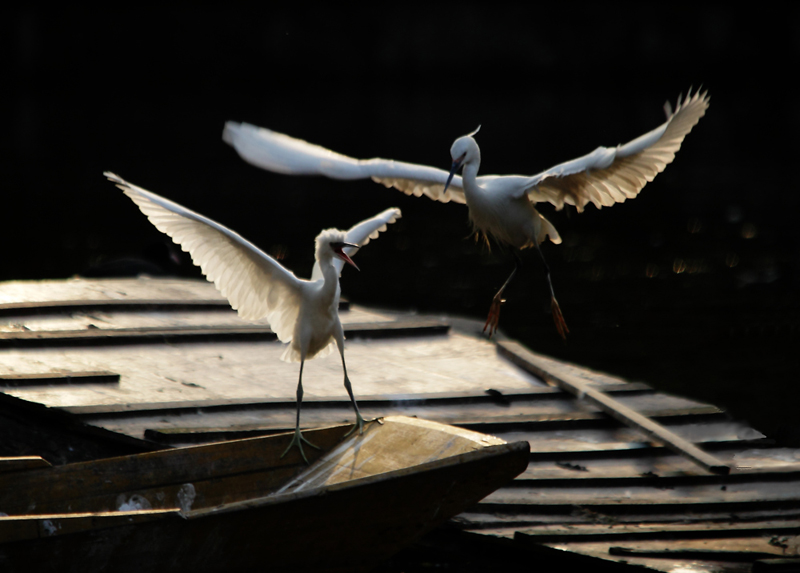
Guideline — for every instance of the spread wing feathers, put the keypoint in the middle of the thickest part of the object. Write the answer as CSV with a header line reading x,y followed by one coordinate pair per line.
x,y
253,282
281,153
360,235
612,175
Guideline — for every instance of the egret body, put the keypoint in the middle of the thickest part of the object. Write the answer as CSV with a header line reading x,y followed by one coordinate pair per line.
x,y
500,206
304,313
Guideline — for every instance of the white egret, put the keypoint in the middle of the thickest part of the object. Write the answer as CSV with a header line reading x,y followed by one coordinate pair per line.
x,y
501,207
304,313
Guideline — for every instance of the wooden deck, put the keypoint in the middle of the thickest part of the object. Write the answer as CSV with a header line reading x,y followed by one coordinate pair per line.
x,y
618,471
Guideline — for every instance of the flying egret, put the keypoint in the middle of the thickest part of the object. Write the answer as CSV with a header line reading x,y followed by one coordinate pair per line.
x,y
304,313
500,206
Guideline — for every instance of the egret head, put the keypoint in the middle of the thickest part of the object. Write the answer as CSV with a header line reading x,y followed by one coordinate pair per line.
x,y
463,150
331,243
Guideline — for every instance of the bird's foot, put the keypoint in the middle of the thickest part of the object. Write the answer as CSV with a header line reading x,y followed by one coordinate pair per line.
x,y
558,318
298,440
494,315
359,424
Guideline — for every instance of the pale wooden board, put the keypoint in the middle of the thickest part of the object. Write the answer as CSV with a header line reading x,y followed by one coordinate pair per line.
x,y
622,532
564,439
166,319
203,371
569,518
20,293
632,494
281,417
666,465
601,551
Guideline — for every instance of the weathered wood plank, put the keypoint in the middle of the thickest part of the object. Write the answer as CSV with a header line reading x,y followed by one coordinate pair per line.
x,y
690,558
47,378
692,554
141,288
515,396
688,497
22,463
99,336
143,291
729,554
583,524
276,419
661,530
654,464
542,367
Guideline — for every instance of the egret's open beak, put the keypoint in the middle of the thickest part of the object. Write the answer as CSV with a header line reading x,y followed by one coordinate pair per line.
x,y
337,249
453,168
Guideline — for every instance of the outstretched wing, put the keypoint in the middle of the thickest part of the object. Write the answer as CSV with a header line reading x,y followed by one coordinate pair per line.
x,y
277,152
610,175
252,281
360,235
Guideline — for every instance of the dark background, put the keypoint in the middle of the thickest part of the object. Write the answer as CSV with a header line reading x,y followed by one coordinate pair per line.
x,y
690,287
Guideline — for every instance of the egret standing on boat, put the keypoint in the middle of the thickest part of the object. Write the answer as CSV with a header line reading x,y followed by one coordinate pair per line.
x,y
501,207
304,313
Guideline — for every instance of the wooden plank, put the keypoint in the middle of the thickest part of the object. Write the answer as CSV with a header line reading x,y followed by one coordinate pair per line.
x,y
19,295
98,336
659,465
582,524
21,528
148,317
22,463
567,436
659,530
30,297
19,309
689,555
513,518
48,378
521,397
173,425
644,500
539,366
692,554
529,402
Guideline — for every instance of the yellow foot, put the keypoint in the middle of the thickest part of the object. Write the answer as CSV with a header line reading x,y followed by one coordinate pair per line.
x,y
494,315
558,318
298,440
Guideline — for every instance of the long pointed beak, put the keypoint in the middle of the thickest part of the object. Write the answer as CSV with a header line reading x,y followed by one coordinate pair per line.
x,y
342,255
453,168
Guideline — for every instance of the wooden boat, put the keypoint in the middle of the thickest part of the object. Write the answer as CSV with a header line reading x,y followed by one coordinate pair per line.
x,y
620,474
239,506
